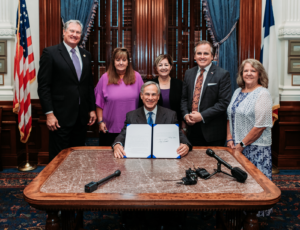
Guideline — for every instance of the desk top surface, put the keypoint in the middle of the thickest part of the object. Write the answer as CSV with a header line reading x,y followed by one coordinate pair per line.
x,y
144,175
141,183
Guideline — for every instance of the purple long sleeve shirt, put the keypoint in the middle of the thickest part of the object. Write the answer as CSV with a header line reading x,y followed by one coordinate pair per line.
x,y
117,100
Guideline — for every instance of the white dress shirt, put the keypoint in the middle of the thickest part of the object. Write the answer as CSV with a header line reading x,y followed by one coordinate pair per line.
x,y
76,52
154,112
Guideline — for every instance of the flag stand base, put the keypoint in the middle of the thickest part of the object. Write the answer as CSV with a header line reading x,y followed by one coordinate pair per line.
x,y
275,170
27,166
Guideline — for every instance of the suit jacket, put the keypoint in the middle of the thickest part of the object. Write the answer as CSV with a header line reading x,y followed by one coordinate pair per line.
x,y
60,90
174,97
163,116
216,94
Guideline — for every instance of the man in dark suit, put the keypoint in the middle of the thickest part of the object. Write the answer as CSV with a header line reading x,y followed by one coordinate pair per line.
x,y
150,113
206,95
66,91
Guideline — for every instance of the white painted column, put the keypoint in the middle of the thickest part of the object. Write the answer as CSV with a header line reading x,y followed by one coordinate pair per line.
x,y
8,14
289,29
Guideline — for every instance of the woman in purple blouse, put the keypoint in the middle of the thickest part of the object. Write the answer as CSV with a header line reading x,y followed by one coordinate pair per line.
x,y
170,88
117,93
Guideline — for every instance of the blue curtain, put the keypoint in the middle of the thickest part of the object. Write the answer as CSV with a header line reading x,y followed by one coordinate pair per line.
x,y
223,15
82,10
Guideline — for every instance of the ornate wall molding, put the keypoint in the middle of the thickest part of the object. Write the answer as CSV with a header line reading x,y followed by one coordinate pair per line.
x,y
286,33
7,33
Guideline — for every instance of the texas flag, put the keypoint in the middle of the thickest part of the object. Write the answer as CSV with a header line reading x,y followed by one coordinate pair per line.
x,y
268,54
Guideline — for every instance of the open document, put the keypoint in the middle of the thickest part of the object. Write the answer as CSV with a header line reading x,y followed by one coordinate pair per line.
x,y
165,141
145,141
138,141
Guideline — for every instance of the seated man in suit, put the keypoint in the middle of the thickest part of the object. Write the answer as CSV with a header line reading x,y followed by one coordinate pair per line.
x,y
150,113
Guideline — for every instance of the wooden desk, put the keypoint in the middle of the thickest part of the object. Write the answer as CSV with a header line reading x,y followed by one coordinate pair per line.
x,y
60,186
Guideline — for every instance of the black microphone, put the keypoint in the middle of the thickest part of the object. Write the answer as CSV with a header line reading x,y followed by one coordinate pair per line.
x,y
211,153
237,173
92,186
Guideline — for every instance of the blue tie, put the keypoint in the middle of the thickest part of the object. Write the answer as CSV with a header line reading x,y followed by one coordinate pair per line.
x,y
150,121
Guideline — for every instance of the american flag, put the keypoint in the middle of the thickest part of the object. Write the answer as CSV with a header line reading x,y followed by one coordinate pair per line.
x,y
24,72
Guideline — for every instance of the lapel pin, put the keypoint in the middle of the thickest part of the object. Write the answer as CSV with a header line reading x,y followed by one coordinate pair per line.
x,y
212,72
84,55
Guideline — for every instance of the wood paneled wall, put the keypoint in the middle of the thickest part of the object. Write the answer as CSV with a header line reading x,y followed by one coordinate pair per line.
x,y
150,34
249,34
286,136
50,23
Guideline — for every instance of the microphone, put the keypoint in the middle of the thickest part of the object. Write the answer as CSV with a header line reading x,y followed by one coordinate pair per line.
x,y
92,186
237,173
211,153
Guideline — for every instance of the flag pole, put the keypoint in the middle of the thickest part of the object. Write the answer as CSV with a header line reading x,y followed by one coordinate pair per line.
x,y
27,166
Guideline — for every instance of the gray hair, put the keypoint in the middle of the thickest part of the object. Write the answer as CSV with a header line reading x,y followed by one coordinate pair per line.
x,y
150,83
204,42
66,25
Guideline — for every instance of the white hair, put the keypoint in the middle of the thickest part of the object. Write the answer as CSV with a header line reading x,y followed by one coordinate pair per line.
x,y
66,25
150,83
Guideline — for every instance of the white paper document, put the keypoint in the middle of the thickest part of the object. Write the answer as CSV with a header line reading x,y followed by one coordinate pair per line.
x,y
165,141
138,141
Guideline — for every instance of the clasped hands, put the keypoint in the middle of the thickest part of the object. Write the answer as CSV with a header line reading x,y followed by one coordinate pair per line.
x,y
238,147
119,152
193,118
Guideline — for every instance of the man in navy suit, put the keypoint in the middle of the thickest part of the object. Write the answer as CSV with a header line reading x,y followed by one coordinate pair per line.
x,y
206,95
66,91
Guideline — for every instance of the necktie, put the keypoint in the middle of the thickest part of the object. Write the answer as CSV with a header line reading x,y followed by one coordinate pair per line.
x,y
197,91
76,63
150,121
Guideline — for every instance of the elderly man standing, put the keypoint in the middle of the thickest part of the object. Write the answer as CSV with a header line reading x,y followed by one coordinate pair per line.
x,y
66,91
150,113
206,95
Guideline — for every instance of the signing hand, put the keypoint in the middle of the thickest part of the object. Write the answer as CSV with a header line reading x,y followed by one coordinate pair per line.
x,y
119,151
195,117
93,118
188,120
183,149
52,122
102,127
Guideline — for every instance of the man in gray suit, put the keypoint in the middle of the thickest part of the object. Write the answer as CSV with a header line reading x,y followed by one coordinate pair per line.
x,y
206,95
150,113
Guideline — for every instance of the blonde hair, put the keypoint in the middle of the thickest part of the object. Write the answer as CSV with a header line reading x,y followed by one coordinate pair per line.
x,y
262,74
113,77
162,57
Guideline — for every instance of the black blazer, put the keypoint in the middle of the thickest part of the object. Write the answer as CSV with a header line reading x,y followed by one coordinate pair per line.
x,y
174,97
164,116
216,94
59,89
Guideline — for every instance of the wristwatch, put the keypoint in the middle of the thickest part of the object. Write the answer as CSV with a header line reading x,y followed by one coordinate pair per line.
x,y
242,144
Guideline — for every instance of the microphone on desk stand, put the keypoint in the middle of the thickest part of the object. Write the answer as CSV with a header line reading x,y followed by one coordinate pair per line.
x,y
237,173
92,186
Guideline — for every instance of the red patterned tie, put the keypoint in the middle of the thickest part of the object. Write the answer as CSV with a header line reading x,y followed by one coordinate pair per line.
x,y
197,91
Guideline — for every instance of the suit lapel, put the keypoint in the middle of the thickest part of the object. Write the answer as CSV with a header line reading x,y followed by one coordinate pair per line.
x,y
64,53
209,75
159,116
193,78
141,117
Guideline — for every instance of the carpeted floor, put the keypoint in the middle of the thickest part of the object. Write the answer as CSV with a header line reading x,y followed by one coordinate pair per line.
x,y
15,213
